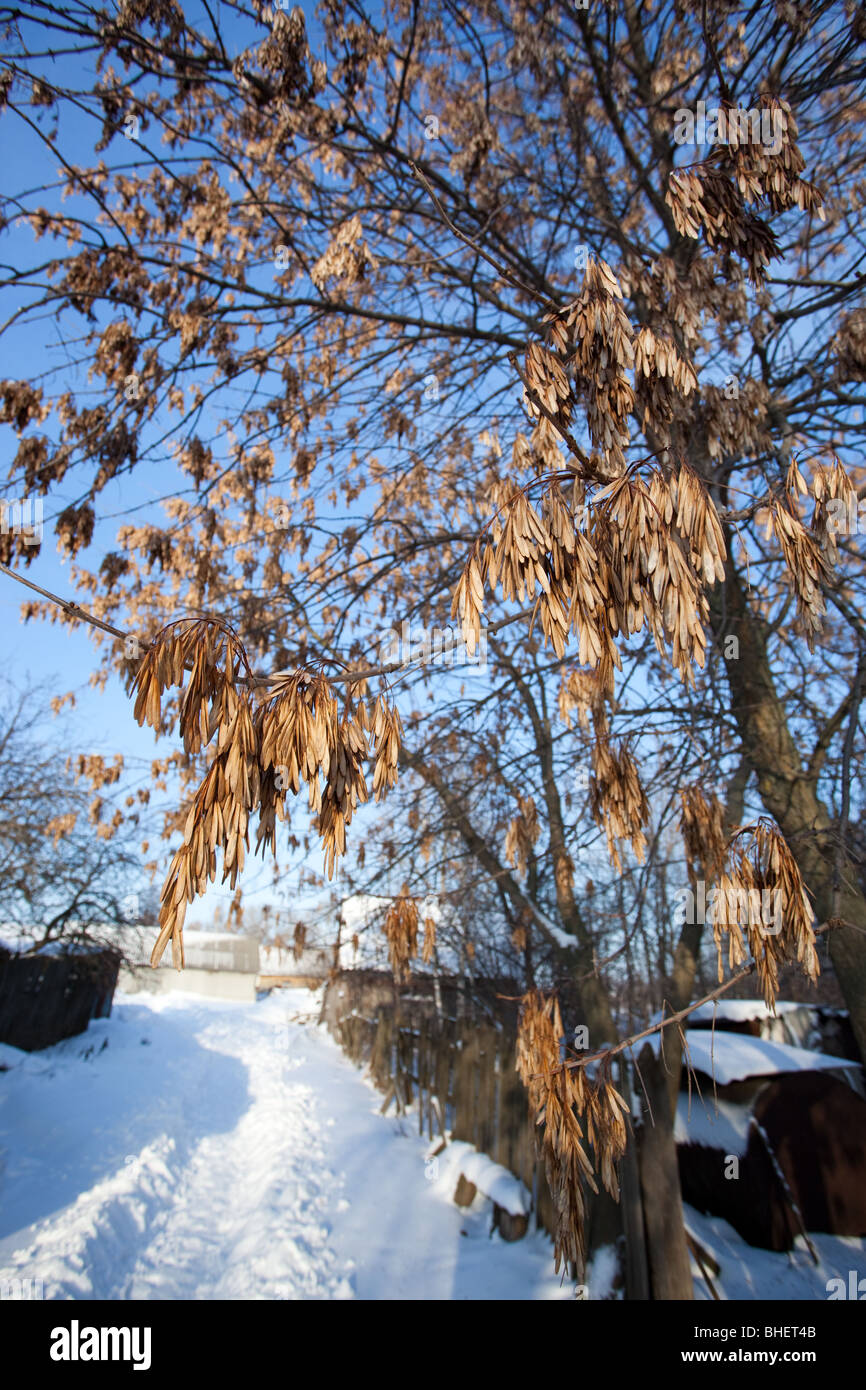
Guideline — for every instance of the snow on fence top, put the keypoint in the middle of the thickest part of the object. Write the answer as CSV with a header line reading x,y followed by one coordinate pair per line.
x,y
491,1179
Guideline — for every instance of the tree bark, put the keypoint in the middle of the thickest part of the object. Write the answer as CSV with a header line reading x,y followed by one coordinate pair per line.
x,y
789,792
681,986
669,1264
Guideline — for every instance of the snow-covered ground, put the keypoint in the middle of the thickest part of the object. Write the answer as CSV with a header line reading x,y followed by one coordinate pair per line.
x,y
748,1273
194,1148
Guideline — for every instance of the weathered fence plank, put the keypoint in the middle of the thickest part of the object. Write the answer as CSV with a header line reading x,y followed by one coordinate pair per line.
x,y
461,1075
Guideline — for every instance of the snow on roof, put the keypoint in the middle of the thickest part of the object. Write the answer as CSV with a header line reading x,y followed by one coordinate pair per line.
x,y
21,945
716,1124
736,1056
738,1010
363,915
281,960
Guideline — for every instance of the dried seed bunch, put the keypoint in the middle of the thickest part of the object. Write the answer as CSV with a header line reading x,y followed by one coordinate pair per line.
x,y
218,818
299,940
765,893
468,600
830,485
306,737
520,937
429,940
738,426
702,823
519,546
849,347
595,337
765,175
298,720
344,790
649,576
560,1098
347,260
210,654
807,569
387,730
697,521
401,931
523,832
298,732
583,691
617,800
704,197
546,378
645,553
661,377
294,75
713,194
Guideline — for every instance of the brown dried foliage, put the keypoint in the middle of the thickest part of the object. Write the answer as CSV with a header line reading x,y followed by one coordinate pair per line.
x,y
298,731
401,931
523,832
617,800
429,946
702,823
807,570
714,194
565,1103
761,868
299,940
640,553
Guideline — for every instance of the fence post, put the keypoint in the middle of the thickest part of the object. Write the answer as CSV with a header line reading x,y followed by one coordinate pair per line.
x,y
445,1053
486,1127
465,1067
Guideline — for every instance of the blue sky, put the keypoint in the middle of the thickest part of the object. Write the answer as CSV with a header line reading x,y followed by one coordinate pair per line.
x,y
58,654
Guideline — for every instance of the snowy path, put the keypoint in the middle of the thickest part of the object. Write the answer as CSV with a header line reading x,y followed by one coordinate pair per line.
x,y
188,1148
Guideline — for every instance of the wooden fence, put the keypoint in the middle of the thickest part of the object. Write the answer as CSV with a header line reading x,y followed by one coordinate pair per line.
x,y
46,997
457,1072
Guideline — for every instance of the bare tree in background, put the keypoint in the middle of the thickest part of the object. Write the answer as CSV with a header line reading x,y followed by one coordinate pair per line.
x,y
428,315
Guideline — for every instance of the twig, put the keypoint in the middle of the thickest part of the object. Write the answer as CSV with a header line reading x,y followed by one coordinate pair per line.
x,y
607,1052
564,434
699,1256
473,245
74,610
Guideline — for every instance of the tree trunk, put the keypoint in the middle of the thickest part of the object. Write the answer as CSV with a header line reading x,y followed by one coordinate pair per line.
x,y
789,792
681,986
670,1270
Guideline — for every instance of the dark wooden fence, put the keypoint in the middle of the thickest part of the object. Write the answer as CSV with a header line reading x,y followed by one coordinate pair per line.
x,y
451,1057
46,997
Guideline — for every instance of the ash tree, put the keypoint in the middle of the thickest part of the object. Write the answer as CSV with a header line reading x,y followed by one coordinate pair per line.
x,y
538,320
68,861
